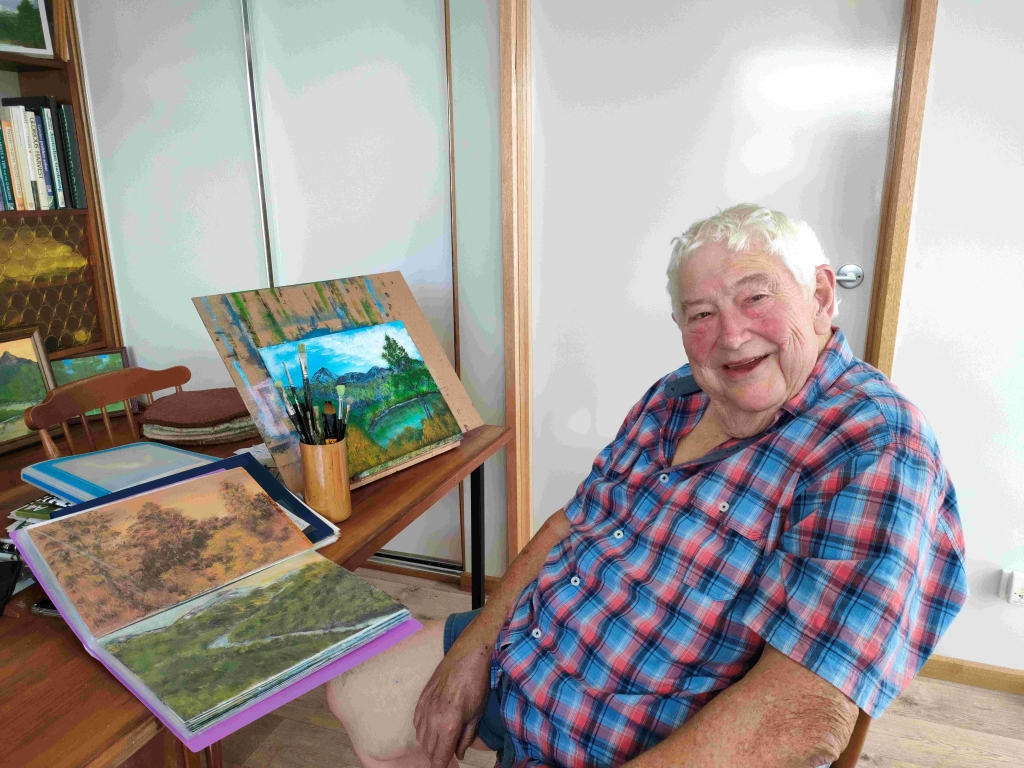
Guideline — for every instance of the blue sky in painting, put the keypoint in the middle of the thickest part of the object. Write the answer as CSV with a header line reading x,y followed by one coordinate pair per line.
x,y
342,352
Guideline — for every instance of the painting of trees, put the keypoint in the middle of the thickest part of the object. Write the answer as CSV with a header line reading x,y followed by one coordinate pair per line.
x,y
137,556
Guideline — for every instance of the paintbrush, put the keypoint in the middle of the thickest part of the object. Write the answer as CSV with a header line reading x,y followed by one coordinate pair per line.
x,y
344,421
292,415
340,389
305,377
291,385
330,423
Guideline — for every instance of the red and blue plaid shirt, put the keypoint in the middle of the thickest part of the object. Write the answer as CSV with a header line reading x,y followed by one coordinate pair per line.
x,y
833,536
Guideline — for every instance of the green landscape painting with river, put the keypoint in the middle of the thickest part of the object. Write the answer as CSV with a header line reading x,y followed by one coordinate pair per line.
x,y
397,409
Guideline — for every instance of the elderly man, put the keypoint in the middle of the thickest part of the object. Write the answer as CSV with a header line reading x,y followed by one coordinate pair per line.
x,y
769,543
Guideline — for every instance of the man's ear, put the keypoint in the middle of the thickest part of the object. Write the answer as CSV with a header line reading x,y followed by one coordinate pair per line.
x,y
824,298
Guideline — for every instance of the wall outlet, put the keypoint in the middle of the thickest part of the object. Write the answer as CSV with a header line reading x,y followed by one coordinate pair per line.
x,y
1013,587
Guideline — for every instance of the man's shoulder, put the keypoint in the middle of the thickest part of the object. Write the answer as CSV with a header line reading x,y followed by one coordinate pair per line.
x,y
863,394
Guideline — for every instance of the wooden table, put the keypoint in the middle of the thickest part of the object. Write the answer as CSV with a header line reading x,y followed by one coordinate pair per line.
x,y
60,707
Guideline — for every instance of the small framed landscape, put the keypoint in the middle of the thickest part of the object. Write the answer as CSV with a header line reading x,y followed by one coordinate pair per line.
x,y
70,369
24,28
25,378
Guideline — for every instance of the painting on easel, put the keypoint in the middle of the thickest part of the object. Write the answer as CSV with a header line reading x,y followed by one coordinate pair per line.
x,y
364,333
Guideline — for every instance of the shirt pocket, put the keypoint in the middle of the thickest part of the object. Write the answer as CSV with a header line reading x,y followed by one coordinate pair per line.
x,y
718,560
719,557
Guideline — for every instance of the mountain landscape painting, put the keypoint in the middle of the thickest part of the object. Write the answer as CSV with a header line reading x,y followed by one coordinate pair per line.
x,y
206,653
21,386
134,557
397,409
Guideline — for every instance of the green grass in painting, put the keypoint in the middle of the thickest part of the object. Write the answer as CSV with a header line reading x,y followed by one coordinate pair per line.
x,y
247,637
21,386
76,368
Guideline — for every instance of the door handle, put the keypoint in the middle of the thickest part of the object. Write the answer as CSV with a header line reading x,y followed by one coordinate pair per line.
x,y
850,276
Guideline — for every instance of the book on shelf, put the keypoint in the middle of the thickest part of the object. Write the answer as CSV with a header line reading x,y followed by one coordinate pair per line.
x,y
205,599
6,180
42,155
44,159
10,150
25,167
76,180
36,156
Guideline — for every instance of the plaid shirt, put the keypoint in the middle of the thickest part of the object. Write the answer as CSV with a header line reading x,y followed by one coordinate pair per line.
x,y
833,535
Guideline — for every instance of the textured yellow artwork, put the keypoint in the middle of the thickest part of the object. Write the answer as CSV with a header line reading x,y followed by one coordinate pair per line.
x,y
136,556
250,328
46,279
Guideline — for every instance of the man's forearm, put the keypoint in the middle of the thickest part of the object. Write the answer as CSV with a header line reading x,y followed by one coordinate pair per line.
x,y
778,716
521,572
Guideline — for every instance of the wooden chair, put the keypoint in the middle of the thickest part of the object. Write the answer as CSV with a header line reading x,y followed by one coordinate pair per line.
x,y
79,397
851,754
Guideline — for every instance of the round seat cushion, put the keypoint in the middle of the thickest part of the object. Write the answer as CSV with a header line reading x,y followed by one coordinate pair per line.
x,y
196,408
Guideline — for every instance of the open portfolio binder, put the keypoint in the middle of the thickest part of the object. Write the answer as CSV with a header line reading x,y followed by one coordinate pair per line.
x,y
203,593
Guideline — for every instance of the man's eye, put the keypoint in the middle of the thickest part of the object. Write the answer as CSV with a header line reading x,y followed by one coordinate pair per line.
x,y
759,296
699,315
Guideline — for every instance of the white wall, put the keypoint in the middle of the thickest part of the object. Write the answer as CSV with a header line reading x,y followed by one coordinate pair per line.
x,y
650,116
960,344
354,113
167,92
475,81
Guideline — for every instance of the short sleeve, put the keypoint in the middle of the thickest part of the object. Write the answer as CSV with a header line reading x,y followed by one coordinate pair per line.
x,y
867,575
625,439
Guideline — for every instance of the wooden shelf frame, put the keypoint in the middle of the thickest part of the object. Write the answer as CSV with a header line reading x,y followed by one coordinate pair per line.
x,y
63,80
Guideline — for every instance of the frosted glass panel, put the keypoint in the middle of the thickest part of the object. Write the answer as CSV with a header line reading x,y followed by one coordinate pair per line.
x,y
354,127
171,121
649,116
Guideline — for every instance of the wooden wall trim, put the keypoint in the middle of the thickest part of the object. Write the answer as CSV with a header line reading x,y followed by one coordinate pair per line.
x,y
975,674
103,276
913,63
514,42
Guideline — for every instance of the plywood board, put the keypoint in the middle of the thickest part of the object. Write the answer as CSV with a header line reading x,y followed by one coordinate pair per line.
x,y
243,323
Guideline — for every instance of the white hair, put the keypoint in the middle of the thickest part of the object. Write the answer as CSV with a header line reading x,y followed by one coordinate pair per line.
x,y
747,226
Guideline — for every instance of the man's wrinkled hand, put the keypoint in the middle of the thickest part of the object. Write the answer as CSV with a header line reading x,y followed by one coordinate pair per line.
x,y
452,702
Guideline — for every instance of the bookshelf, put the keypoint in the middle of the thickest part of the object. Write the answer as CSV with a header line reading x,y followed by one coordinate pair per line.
x,y
55,265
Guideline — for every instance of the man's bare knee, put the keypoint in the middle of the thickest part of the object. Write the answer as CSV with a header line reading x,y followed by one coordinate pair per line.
x,y
375,701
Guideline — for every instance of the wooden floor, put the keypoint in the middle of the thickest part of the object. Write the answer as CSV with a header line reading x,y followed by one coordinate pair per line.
x,y
934,724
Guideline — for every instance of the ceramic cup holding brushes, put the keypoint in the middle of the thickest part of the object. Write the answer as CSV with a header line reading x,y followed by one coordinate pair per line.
x,y
321,429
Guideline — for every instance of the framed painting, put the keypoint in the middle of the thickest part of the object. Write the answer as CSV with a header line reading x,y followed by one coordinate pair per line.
x,y
24,28
365,333
83,366
25,378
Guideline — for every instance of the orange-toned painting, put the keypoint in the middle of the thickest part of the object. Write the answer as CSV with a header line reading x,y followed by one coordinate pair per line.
x,y
137,556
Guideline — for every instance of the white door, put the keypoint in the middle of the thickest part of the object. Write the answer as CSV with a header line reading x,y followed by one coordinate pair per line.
x,y
648,116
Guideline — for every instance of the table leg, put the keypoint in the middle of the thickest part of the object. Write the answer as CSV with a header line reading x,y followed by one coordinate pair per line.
x,y
476,518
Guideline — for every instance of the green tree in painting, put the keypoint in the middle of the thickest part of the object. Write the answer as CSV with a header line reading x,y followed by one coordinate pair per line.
x,y
394,354
22,27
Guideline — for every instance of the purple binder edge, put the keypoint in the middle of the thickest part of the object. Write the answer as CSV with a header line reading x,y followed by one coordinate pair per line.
x,y
205,738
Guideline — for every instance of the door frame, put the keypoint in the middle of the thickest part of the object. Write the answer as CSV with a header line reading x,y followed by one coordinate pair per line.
x,y
912,69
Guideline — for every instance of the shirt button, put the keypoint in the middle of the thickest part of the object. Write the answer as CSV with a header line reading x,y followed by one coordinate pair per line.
x,y
536,633
723,507
617,534
575,581
663,478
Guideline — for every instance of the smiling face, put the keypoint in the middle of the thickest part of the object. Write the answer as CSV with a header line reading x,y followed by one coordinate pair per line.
x,y
751,332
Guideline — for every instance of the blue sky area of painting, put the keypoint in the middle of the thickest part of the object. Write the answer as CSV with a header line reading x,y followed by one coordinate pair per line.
x,y
340,353
12,5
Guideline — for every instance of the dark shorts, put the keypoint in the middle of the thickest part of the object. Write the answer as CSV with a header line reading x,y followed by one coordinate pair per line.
x,y
492,729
